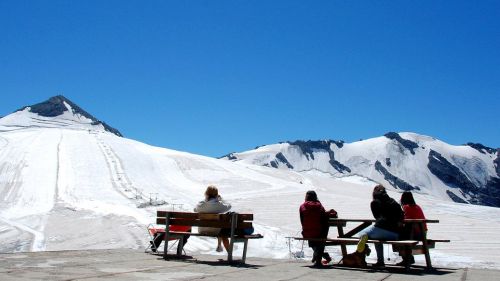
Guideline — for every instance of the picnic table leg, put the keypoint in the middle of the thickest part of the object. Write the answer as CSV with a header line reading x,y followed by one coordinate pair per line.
x,y
343,247
425,246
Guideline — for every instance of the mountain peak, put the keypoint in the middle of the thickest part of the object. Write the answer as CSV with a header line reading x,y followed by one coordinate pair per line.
x,y
55,106
67,113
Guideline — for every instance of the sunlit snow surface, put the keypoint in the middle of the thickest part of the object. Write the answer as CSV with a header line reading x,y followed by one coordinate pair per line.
x,y
69,188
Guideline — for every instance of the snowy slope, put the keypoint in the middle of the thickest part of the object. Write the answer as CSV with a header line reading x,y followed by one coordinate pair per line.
x,y
406,161
80,187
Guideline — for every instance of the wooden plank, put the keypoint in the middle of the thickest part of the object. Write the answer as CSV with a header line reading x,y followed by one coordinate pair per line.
x,y
177,214
346,220
181,233
351,220
354,241
202,216
438,240
173,214
336,223
204,223
420,220
357,229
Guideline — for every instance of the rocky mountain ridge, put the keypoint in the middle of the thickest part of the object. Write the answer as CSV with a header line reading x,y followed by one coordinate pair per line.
x,y
406,161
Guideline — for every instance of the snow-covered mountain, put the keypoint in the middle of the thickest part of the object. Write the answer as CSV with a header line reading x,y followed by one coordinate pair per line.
x,y
407,161
68,184
56,112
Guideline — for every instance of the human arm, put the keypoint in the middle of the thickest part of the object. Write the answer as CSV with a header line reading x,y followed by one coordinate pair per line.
x,y
199,207
375,207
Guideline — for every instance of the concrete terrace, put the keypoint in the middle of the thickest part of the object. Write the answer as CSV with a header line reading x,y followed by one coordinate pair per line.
x,y
137,265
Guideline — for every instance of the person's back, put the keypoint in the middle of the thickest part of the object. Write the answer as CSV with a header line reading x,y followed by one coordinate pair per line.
x,y
411,230
312,215
313,218
387,212
388,220
412,211
211,206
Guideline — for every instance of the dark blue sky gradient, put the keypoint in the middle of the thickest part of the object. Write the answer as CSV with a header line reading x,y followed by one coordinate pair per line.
x,y
213,77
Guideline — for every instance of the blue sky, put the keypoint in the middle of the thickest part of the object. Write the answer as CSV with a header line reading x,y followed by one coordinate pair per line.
x,y
213,77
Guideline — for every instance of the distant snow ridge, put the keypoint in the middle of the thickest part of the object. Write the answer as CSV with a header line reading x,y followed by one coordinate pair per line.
x,y
56,112
406,161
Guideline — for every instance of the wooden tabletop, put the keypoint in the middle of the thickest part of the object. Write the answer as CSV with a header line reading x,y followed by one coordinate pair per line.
x,y
373,220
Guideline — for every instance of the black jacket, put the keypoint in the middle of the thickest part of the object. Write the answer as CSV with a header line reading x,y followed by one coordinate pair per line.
x,y
387,213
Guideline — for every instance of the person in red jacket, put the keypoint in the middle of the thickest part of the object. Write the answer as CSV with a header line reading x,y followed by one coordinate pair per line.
x,y
314,220
411,231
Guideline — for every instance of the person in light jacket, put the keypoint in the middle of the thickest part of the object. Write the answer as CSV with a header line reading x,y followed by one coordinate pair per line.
x,y
213,204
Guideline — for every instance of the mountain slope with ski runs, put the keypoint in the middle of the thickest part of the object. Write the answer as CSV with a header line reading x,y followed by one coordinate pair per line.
x,y
69,181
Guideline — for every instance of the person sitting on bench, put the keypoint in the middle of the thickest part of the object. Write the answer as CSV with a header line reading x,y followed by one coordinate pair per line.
x,y
213,204
411,231
314,220
388,222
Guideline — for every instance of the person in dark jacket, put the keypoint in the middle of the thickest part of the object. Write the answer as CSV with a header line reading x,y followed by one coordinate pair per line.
x,y
314,220
388,221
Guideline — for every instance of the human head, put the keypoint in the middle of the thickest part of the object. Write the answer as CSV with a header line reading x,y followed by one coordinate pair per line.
x,y
311,196
378,191
407,198
211,192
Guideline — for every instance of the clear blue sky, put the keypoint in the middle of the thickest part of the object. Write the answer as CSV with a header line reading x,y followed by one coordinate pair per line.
x,y
213,77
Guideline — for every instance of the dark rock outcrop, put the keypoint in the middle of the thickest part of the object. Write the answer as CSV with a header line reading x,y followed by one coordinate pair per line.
x,y
308,148
497,163
408,144
490,196
229,156
481,148
55,106
455,198
393,180
281,158
448,173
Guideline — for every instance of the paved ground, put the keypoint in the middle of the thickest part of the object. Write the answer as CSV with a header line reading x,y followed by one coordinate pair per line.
x,y
136,265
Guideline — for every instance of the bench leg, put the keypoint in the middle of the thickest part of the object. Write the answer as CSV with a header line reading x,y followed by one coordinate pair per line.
x,y
230,252
180,246
165,247
427,258
244,251
340,230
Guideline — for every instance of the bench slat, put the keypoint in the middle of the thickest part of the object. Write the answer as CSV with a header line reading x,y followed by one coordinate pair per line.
x,y
203,223
251,236
354,241
438,240
189,215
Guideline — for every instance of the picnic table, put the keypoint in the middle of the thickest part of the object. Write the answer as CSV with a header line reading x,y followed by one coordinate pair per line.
x,y
347,236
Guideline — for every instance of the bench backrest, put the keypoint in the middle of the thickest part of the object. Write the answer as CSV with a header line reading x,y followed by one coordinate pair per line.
x,y
243,221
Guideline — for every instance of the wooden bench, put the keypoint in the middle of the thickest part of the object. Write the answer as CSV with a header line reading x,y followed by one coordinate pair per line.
x,y
234,222
418,246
